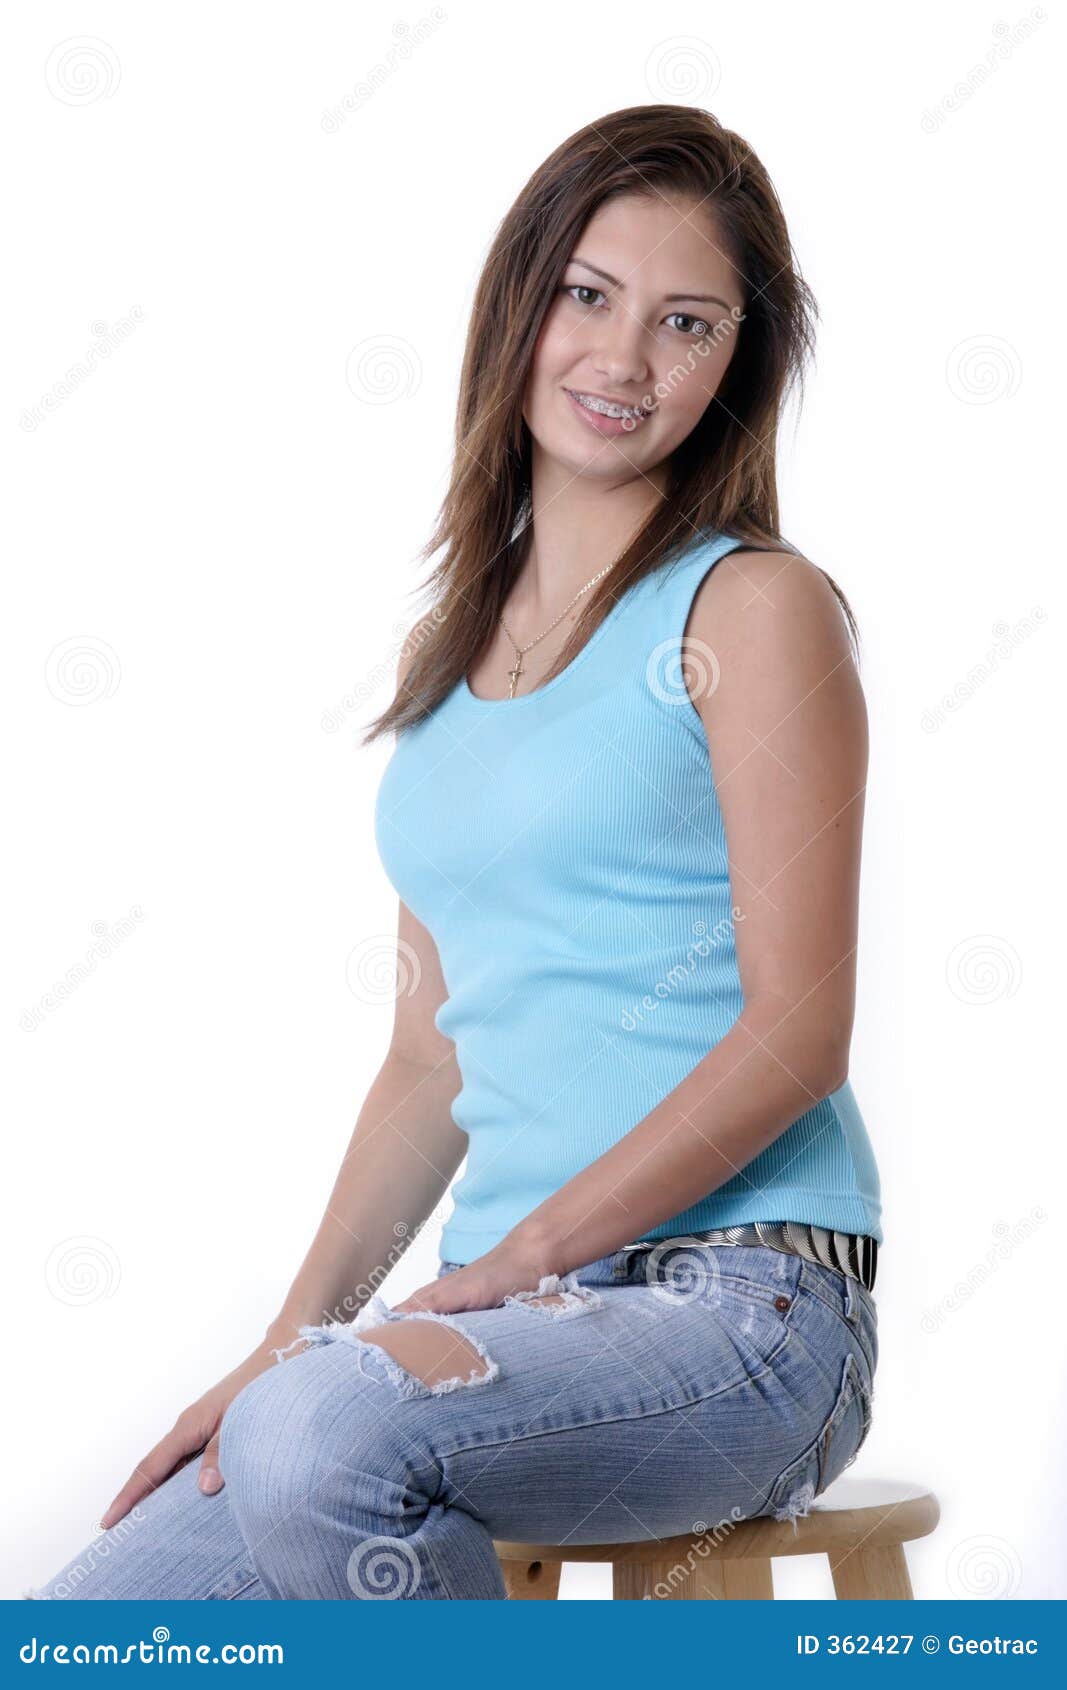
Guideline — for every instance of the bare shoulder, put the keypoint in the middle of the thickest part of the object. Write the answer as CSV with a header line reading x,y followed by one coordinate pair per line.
x,y
775,602
781,649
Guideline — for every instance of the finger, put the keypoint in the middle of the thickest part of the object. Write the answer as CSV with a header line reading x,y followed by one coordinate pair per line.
x,y
149,1473
425,1300
211,1479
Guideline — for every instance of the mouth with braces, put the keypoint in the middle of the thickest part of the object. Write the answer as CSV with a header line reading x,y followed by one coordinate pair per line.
x,y
606,408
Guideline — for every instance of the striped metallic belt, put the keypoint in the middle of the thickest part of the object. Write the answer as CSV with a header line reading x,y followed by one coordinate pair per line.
x,y
852,1253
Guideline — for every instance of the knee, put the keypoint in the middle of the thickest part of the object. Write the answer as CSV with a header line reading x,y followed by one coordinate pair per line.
x,y
310,1429
275,1443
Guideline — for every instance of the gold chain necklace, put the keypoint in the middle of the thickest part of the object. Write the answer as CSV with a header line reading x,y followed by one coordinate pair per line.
x,y
520,651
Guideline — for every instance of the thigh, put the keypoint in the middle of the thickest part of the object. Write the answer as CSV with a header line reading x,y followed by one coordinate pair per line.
x,y
177,1543
639,1413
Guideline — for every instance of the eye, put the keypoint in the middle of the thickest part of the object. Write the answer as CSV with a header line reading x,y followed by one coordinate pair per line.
x,y
582,287
697,327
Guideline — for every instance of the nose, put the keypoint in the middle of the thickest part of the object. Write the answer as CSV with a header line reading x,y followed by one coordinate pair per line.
x,y
619,355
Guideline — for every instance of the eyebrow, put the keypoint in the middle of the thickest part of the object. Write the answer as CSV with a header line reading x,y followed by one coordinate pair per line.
x,y
670,298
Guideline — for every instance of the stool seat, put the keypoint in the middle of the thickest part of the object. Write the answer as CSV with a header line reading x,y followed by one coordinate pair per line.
x,y
859,1524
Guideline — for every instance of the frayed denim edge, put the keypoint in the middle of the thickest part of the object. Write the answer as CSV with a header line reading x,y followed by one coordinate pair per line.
x,y
377,1313
577,1299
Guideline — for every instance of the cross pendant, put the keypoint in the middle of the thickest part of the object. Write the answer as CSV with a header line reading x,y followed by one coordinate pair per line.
x,y
513,675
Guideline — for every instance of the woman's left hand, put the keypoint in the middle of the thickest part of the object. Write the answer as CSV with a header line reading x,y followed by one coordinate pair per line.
x,y
482,1284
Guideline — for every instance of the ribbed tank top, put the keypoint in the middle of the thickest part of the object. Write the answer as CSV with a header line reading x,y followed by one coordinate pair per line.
x,y
567,853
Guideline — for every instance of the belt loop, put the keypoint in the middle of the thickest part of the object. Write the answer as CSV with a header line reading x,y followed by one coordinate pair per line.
x,y
852,1299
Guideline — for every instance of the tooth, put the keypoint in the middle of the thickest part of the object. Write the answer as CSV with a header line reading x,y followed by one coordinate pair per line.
x,y
603,408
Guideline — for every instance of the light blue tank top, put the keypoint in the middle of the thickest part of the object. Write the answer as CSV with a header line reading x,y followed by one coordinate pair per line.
x,y
566,851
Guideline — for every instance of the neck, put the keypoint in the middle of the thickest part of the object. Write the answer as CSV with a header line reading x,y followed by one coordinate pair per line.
x,y
579,525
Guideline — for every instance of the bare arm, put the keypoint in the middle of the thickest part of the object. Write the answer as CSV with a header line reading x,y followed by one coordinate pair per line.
x,y
787,735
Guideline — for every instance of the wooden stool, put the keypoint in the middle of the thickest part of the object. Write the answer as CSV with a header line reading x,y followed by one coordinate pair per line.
x,y
861,1525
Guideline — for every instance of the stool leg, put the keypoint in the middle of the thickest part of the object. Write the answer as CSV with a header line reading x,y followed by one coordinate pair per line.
x,y
872,1574
707,1581
532,1581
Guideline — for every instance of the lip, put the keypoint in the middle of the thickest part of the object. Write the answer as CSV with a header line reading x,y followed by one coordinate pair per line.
x,y
612,427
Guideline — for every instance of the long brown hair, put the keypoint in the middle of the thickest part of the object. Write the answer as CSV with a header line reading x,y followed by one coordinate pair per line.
x,y
721,477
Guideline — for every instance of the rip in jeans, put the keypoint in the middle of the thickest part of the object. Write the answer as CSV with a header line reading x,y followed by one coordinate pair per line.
x,y
374,1359
563,1298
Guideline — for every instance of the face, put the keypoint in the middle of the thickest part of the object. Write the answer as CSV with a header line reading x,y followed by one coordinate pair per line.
x,y
646,317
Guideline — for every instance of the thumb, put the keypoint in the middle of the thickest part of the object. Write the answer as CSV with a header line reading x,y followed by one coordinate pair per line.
x,y
211,1479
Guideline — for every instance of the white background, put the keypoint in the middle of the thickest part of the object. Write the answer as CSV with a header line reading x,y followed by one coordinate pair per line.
x,y
226,527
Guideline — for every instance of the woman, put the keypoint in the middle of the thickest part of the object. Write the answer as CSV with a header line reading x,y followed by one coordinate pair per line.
x,y
623,817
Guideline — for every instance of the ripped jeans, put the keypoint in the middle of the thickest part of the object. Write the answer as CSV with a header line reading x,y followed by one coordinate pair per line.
x,y
675,1388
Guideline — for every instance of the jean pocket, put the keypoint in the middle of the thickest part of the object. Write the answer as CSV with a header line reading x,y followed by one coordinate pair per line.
x,y
837,1444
